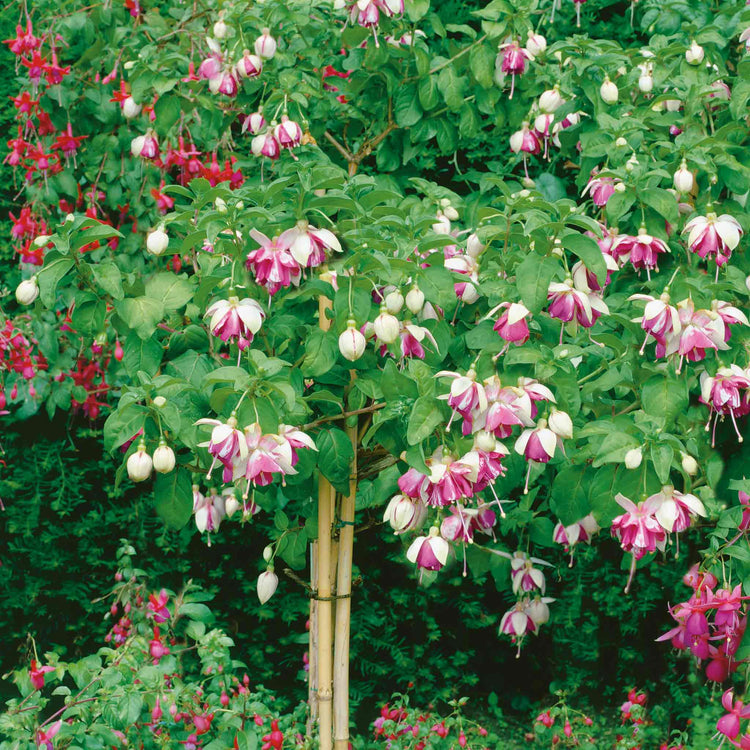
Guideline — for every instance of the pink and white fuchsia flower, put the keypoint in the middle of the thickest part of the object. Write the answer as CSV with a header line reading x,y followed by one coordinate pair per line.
x,y
512,325
209,511
660,319
518,623
524,575
513,61
713,236
308,245
467,397
235,319
566,303
429,552
726,393
581,531
227,445
273,264
404,514
601,188
642,251
674,509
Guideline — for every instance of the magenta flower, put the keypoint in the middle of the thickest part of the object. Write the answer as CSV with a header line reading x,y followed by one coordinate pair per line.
x,y
450,480
726,394
643,250
518,623
308,245
288,133
266,455
512,325
713,236
227,445
673,509
157,606
265,144
411,340
508,407
209,511
660,319
429,552
513,62
272,264
601,188
638,529
568,303
729,724
524,575
466,397
414,484
729,314
700,331
36,674
235,319
296,440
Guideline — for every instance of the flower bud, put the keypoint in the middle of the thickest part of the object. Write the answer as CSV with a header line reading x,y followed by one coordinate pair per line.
x,y
351,342
551,100
442,225
268,553
620,142
157,241
42,240
689,464
164,458
474,247
415,300
485,441
386,326
231,505
27,291
609,91
694,54
684,181
394,301
646,83
160,401
130,108
561,424
137,144
536,44
633,458
220,29
267,583
220,205
265,45
139,464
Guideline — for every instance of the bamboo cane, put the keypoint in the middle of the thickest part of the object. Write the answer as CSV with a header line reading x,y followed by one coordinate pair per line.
x,y
312,652
326,500
343,607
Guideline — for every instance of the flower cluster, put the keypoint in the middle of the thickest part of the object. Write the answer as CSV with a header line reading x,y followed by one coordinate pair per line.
x,y
726,394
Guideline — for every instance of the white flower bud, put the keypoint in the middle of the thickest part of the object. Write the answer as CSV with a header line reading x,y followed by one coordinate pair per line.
x,y
394,301
474,247
561,424
137,144
130,108
231,505
620,142
265,45
129,65
164,459
267,583
386,326
609,92
689,464
351,342
27,291
646,83
672,105
551,100
415,300
267,553
442,225
160,401
694,54
157,241
485,441
536,44
220,29
633,458
683,179
139,464
42,240
221,205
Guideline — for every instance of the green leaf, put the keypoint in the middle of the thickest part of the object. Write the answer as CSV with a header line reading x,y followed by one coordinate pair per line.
x,y
109,278
406,108
664,397
171,290
122,424
197,612
140,354
428,93
533,277
335,455
55,267
321,353
662,201
167,111
238,377
142,314
417,9
92,232
569,498
425,417
191,366
482,64
173,497
129,708
588,250
614,447
661,456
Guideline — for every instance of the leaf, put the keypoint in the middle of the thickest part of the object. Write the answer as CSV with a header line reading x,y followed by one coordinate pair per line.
x,y
197,612
92,232
238,377
121,425
482,64
320,353
335,455
171,290
191,366
588,250
451,87
662,201
569,498
406,107
142,314
142,354
428,93
167,111
661,456
664,397
425,417
173,497
417,9
614,447
55,267
129,708
109,278
533,277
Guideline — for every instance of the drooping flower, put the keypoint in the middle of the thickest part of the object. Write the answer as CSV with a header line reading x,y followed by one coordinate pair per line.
x,y
513,61
673,509
524,575
466,397
235,319
729,724
273,264
404,514
638,529
512,325
308,245
227,445
642,251
601,188
713,236
429,552
723,395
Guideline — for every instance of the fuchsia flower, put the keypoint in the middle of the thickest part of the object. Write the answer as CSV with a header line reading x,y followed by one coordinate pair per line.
x,y
673,509
524,575
508,407
288,133
713,236
518,623
235,319
659,319
638,529
525,141
429,552
267,455
157,605
296,440
537,444
729,724
512,325
272,264
450,479
513,62
601,188
587,281
726,394
265,144
729,315
568,303
466,397
405,514
227,445
642,251
308,245
37,672
412,337
209,511
581,531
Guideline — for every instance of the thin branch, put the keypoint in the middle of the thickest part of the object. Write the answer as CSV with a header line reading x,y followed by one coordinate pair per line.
x,y
341,149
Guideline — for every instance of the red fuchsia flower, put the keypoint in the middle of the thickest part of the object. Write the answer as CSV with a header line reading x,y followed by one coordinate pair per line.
x,y
723,395
309,245
267,455
729,724
568,303
524,575
713,236
157,648
24,41
227,445
157,605
513,61
601,188
429,552
67,142
512,325
674,509
450,479
273,264
466,397
235,319
37,672
404,514
546,719
265,144
660,319
698,579
642,251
